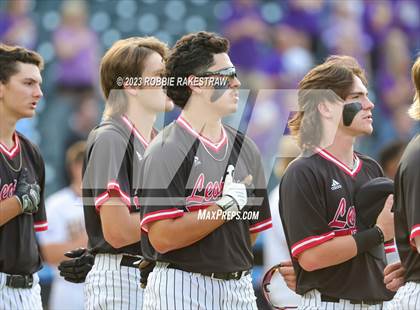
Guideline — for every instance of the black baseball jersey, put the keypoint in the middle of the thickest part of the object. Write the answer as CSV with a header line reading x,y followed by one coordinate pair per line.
x,y
184,172
317,204
407,209
114,151
19,252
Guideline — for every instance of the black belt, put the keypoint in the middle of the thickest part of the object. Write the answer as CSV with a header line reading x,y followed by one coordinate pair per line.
x,y
19,281
352,301
128,261
217,275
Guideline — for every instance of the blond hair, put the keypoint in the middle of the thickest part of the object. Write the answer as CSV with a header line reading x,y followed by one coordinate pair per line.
x,y
125,58
414,110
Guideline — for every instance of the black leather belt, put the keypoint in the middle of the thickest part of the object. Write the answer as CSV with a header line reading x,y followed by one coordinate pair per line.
x,y
327,298
217,275
19,281
128,261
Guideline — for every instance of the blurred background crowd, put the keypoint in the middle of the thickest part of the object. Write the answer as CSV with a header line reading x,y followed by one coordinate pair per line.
x,y
273,44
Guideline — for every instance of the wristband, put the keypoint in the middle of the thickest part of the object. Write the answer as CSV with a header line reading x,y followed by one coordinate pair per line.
x,y
368,239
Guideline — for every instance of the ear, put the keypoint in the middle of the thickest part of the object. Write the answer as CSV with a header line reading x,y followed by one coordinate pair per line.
x,y
194,85
324,109
131,90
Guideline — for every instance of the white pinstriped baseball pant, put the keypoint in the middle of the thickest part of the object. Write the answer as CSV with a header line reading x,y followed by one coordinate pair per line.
x,y
406,298
20,298
173,289
111,286
312,301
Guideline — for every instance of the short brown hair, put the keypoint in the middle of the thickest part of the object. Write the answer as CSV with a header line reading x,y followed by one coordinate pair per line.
x,y
11,55
191,55
329,81
414,110
126,58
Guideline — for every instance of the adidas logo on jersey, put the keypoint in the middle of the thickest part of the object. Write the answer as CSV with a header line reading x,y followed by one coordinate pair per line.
x,y
335,185
196,161
139,156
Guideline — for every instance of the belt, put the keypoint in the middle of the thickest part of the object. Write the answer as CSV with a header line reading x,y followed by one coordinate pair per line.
x,y
128,261
19,281
327,298
217,275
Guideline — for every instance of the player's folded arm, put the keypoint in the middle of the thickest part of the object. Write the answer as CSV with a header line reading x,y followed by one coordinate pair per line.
x,y
304,216
162,192
107,177
167,225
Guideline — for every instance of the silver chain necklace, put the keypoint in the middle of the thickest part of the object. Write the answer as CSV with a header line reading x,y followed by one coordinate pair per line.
x,y
216,159
10,165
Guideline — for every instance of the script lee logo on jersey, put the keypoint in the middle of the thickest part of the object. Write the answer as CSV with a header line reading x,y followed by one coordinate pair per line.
x,y
344,218
212,190
7,190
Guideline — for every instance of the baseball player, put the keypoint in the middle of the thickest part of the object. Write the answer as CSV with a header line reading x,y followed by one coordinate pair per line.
x,y
202,261
115,149
407,213
22,175
335,263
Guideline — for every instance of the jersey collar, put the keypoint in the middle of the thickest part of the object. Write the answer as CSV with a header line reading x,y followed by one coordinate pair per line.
x,y
214,146
14,149
330,157
134,130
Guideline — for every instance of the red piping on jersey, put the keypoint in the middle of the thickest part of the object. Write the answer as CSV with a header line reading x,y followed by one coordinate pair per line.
x,y
112,186
12,151
214,146
41,226
261,226
330,157
199,207
415,231
345,232
310,242
135,130
160,215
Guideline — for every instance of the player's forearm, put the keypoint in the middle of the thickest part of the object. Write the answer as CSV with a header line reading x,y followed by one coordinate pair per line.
x,y
9,209
330,253
172,234
120,228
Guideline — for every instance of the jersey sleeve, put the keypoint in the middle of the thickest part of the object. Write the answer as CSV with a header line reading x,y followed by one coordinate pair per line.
x,y
261,205
107,169
303,210
409,183
163,185
40,217
57,229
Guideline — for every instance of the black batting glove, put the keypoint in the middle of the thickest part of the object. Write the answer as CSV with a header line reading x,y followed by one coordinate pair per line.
x,y
76,269
28,194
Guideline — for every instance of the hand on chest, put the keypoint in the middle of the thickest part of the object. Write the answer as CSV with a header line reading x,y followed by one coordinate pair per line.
x,y
205,183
